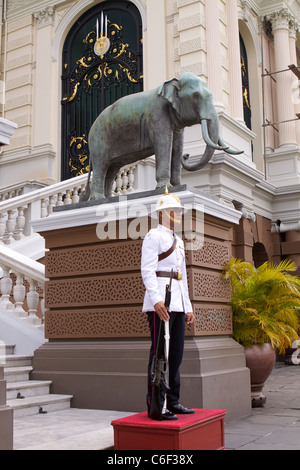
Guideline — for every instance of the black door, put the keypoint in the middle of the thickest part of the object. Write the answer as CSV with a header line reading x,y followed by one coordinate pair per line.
x,y
97,73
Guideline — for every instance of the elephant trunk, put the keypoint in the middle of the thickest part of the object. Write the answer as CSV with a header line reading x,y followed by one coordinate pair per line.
x,y
210,131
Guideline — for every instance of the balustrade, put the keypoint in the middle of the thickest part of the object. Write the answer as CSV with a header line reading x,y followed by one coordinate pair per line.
x,y
14,190
124,181
22,286
22,280
17,212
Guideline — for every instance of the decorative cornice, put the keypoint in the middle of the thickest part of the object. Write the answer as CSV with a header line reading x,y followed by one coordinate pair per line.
x,y
94,213
248,7
294,27
279,19
268,7
17,9
44,17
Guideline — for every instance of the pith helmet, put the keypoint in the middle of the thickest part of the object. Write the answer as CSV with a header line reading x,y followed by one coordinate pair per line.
x,y
168,201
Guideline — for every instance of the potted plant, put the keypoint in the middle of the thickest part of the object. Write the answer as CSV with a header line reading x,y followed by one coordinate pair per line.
x,y
265,305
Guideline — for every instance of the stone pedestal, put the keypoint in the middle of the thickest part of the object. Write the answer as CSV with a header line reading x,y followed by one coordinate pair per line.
x,y
98,336
6,417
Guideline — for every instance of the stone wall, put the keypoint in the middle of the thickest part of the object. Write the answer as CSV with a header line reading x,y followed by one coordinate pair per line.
x,y
95,289
6,417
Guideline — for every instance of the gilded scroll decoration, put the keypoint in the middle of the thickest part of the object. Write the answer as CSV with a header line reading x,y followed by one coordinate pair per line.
x,y
102,61
78,155
117,64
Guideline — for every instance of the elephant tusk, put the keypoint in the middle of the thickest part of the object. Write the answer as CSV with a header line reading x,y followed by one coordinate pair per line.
x,y
207,139
228,150
223,145
209,128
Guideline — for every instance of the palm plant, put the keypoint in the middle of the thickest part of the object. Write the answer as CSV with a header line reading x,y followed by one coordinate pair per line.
x,y
265,303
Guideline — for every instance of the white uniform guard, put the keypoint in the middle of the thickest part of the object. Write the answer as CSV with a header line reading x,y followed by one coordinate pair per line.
x,y
158,241
162,253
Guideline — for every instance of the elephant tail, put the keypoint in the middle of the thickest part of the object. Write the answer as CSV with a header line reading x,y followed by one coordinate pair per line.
x,y
85,195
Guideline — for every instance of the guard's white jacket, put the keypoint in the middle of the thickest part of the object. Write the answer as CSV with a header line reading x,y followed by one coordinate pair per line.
x,y
156,242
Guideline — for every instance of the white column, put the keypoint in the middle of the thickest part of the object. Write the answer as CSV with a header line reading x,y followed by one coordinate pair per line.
x,y
214,58
43,115
234,55
294,26
156,44
268,96
280,27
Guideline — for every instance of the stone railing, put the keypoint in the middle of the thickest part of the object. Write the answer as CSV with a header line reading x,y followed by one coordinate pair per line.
x,y
22,279
124,181
16,213
20,188
22,286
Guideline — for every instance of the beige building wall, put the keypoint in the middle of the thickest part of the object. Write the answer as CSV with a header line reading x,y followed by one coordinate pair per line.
x,y
179,36
199,36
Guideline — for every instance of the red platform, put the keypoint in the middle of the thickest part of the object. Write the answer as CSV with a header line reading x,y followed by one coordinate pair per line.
x,y
203,430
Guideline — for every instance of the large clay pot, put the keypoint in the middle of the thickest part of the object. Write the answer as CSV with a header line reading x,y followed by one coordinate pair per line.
x,y
260,359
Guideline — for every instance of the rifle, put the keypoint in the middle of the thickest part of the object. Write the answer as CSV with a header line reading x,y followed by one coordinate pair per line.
x,y
160,363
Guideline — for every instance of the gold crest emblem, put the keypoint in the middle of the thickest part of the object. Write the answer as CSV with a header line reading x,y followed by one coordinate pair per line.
x,y
101,46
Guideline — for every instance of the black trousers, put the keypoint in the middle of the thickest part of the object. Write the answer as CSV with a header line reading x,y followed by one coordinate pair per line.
x,y
177,334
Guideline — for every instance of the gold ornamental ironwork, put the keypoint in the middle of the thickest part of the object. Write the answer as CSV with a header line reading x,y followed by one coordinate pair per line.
x,y
102,43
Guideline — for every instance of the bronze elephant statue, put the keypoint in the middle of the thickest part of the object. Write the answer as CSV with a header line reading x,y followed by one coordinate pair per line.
x,y
152,123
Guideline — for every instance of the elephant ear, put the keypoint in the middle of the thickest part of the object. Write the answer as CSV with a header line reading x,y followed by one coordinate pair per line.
x,y
169,91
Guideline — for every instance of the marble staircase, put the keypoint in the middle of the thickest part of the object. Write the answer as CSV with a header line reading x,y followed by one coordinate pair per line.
x,y
25,396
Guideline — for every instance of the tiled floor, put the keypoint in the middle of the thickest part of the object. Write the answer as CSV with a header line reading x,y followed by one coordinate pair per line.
x,y
274,427
71,429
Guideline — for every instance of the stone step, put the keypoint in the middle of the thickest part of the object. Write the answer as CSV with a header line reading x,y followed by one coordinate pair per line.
x,y
26,389
39,404
5,350
17,374
12,360
28,397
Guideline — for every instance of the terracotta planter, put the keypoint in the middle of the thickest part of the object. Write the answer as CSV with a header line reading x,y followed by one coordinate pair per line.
x,y
260,359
